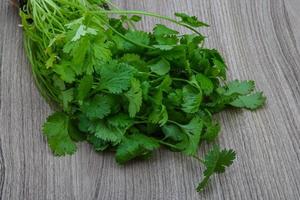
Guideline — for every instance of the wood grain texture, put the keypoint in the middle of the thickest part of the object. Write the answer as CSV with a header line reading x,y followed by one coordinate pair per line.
x,y
260,40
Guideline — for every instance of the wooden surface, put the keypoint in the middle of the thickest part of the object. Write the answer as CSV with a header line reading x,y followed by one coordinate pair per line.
x,y
260,40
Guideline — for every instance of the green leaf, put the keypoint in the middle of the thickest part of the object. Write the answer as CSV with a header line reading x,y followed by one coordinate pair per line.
x,y
56,129
136,61
251,102
136,145
193,130
161,67
175,98
211,132
115,77
219,69
237,87
139,37
85,85
67,97
82,31
65,71
215,162
192,99
165,85
101,53
51,60
108,133
165,35
75,134
136,18
97,107
159,115
172,132
120,120
134,96
98,144
190,20
205,84
78,51
160,30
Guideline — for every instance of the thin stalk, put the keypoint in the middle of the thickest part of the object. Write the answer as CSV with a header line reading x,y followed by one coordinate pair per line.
x,y
199,159
168,144
129,23
127,39
150,14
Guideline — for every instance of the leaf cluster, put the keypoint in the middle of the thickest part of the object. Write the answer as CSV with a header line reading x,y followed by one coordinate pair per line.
x,y
127,90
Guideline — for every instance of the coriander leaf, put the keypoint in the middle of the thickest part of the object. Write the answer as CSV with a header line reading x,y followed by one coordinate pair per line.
x,y
190,20
120,120
134,96
170,40
56,129
219,69
192,99
193,131
215,162
136,18
145,89
165,85
205,84
237,87
98,144
175,98
65,71
160,30
159,115
251,102
67,97
211,132
165,35
51,60
161,67
97,107
75,134
108,133
173,132
192,41
82,31
84,87
78,51
136,145
136,61
139,37
115,77
101,53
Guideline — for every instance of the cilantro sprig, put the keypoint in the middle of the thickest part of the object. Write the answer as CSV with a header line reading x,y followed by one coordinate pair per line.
x,y
123,89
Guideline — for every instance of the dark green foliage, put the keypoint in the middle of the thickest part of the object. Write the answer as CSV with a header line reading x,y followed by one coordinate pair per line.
x,y
125,89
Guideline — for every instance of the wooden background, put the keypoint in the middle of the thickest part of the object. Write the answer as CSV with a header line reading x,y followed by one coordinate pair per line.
x,y
260,40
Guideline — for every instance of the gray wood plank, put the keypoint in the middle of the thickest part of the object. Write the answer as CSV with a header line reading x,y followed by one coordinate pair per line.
x,y
259,39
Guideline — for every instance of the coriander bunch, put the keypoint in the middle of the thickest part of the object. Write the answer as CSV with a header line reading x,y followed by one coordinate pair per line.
x,y
127,90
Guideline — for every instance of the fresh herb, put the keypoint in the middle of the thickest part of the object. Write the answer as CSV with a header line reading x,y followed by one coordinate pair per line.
x,y
124,89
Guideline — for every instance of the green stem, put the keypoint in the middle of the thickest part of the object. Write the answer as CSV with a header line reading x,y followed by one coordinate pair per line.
x,y
148,73
127,39
137,12
129,23
180,79
173,122
140,122
168,144
199,159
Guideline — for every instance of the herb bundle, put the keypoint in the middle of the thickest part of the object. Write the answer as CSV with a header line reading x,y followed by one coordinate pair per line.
x,y
127,90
